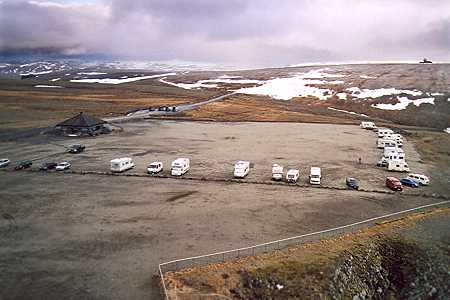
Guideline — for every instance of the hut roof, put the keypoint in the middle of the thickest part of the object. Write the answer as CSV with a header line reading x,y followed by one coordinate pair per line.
x,y
82,120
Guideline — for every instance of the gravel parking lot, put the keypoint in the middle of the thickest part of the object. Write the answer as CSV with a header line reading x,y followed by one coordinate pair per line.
x,y
214,147
77,236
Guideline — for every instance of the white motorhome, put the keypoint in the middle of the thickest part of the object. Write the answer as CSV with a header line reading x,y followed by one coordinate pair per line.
x,y
155,167
384,131
382,143
421,179
277,172
315,175
292,175
393,153
180,166
121,164
398,166
395,137
367,125
241,169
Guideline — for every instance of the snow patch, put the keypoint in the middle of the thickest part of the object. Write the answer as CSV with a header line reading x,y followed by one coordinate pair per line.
x,y
447,130
48,86
437,94
296,86
403,103
366,93
92,73
342,96
210,83
36,73
366,77
119,81
55,79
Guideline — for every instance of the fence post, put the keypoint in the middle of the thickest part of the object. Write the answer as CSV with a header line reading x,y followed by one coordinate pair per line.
x,y
223,257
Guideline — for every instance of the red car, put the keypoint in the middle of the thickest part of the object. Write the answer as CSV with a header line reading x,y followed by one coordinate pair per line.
x,y
394,184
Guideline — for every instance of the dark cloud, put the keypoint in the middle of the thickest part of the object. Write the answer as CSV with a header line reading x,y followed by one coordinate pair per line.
x,y
252,32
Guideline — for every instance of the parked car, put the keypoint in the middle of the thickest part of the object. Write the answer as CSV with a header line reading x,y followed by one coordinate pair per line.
x,y
25,164
409,182
394,184
4,162
155,167
382,163
48,166
419,178
352,183
76,149
63,166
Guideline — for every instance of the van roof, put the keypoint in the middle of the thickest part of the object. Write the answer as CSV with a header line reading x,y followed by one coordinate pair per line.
x,y
120,159
315,170
415,174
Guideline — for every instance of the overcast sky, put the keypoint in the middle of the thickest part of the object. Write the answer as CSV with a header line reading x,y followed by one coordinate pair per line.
x,y
238,32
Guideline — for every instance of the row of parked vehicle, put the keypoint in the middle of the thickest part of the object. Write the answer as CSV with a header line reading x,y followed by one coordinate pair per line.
x,y
394,158
47,166
293,175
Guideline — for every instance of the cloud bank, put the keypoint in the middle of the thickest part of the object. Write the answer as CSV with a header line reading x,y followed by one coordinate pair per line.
x,y
252,32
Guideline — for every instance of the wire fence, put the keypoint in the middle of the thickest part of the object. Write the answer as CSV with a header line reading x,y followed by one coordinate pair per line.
x,y
234,254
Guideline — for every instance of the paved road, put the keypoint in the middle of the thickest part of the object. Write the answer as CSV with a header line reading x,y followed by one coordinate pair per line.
x,y
180,108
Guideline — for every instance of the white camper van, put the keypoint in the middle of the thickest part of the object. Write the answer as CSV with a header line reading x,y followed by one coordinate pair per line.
x,y
381,143
398,166
180,166
155,167
367,125
241,169
292,175
384,131
121,164
277,172
421,179
393,153
395,137
315,175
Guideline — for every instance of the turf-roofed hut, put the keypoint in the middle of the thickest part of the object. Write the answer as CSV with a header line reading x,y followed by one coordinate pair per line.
x,y
82,124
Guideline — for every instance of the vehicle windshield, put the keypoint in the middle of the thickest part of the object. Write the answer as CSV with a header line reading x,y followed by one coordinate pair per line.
x,y
155,166
314,176
290,176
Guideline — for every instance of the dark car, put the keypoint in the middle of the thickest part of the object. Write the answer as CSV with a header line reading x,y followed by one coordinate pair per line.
x,y
48,166
23,165
352,183
76,149
409,182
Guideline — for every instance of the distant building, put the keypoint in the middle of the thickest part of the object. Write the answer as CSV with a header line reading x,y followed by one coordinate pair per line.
x,y
82,124
426,61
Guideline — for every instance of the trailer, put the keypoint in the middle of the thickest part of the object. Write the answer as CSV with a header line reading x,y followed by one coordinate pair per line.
x,y
180,166
384,131
241,169
315,175
292,175
277,172
398,166
367,125
121,164
382,143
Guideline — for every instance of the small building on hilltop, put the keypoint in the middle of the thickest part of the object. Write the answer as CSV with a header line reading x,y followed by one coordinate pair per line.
x,y
82,124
